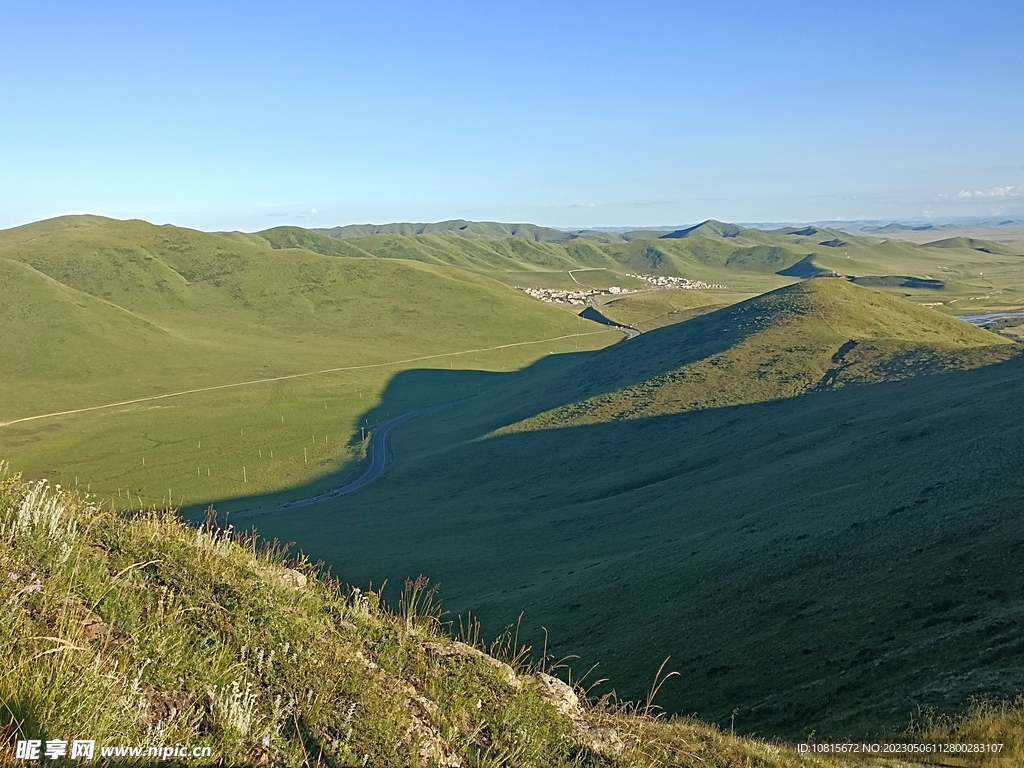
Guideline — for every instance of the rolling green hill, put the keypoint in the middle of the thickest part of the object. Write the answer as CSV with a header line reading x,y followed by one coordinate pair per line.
x,y
605,236
488,230
818,334
974,244
711,244
212,312
297,237
102,312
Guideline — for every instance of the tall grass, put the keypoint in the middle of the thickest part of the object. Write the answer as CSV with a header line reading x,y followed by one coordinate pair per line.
x,y
139,629
983,722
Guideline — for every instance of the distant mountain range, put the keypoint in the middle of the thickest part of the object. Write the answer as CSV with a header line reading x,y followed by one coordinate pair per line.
x,y
489,230
887,225
492,230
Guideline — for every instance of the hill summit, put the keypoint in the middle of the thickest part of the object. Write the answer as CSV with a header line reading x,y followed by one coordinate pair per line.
x,y
709,228
974,244
813,335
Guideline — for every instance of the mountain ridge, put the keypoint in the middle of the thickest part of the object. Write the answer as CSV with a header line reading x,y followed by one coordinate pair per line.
x,y
460,227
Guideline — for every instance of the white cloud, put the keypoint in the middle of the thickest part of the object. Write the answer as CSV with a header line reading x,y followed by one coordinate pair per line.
x,y
1011,191
294,214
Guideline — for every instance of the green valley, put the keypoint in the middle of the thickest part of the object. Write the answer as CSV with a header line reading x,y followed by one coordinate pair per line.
x,y
512,385
103,312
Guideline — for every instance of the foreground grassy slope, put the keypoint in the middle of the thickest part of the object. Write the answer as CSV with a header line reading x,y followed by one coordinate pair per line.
x,y
139,630
102,311
815,334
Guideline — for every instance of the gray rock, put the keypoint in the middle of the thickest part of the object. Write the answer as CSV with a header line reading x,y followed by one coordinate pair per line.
x,y
461,650
559,694
599,739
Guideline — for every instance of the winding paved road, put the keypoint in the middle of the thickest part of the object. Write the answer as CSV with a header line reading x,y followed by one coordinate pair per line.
x,y
378,463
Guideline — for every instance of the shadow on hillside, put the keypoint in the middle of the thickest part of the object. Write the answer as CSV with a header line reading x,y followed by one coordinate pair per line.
x,y
816,563
484,401
480,402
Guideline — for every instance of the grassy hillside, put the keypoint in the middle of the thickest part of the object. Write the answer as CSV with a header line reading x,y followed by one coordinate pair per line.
x,y
197,638
654,309
827,562
297,237
818,334
985,246
103,312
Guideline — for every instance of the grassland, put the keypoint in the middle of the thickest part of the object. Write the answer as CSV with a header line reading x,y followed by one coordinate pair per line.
x,y
104,312
137,630
806,498
826,563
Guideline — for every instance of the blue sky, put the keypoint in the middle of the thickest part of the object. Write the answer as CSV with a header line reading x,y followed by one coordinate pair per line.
x,y
249,115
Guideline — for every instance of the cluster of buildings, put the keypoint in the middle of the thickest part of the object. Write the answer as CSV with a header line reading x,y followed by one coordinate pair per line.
x,y
556,296
666,281
585,296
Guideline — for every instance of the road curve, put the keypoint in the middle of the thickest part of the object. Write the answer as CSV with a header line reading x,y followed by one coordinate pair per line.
x,y
378,463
